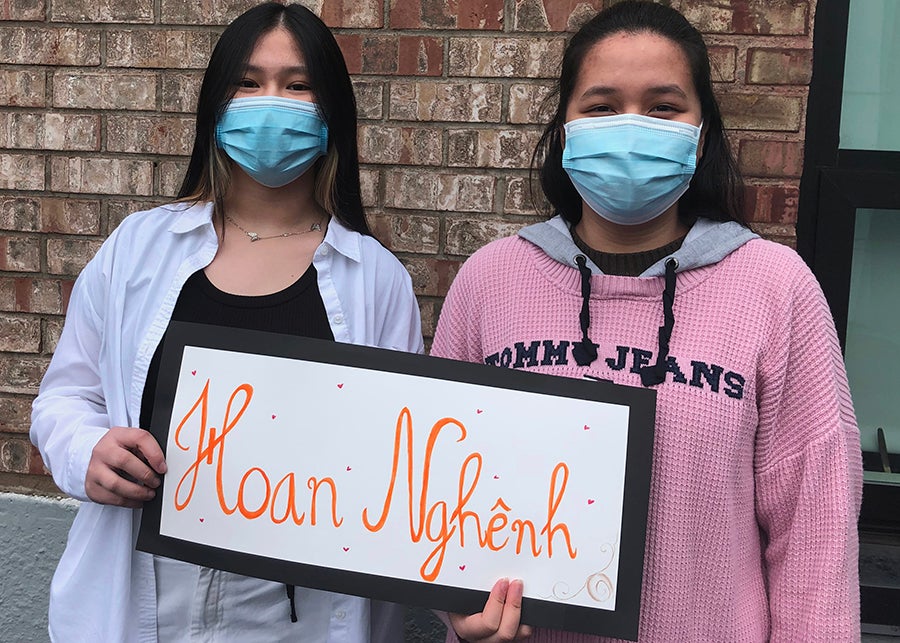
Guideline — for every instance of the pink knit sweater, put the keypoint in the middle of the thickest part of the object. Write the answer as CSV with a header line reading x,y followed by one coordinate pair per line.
x,y
757,471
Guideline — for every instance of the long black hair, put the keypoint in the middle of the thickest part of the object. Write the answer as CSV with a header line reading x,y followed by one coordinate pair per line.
x,y
337,174
716,190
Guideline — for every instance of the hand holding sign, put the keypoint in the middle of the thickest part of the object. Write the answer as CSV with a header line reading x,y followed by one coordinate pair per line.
x,y
123,468
500,619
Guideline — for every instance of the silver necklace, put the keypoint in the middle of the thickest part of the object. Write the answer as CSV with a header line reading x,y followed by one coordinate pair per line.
x,y
255,237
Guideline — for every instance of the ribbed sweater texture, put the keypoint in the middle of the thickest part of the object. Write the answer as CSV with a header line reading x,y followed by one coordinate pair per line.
x,y
757,472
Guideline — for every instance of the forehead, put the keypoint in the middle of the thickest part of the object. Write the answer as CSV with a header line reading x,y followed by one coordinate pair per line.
x,y
276,48
626,61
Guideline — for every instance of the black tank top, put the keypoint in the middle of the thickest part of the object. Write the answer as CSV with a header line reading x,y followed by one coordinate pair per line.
x,y
296,310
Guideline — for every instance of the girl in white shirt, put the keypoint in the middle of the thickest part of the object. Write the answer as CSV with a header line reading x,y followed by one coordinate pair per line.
x,y
269,233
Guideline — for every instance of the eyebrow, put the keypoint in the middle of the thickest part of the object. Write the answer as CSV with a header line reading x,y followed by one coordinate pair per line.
x,y
603,90
298,69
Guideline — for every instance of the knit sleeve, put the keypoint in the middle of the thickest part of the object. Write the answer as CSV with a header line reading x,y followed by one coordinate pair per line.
x,y
808,472
458,334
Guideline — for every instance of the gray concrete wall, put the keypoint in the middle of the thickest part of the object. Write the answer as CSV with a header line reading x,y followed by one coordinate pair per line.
x,y
32,536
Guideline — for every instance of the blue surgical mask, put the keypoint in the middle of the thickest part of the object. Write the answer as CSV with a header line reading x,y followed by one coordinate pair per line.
x,y
629,168
273,139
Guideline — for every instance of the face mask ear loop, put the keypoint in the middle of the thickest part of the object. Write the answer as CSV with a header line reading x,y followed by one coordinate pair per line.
x,y
656,374
584,351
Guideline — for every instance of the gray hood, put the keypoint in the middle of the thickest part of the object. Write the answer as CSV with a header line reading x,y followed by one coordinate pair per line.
x,y
708,242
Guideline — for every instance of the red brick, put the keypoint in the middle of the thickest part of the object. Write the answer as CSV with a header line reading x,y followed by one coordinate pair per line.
x,y
26,295
22,10
23,88
779,66
70,216
351,48
67,256
554,15
369,98
369,184
466,235
101,175
20,334
400,145
171,176
130,11
20,213
447,14
431,276
506,57
420,56
20,373
755,17
531,103
518,196
761,112
105,89
21,172
772,203
20,254
170,135
55,131
428,314
180,91
52,329
418,190
15,455
208,12
49,46
408,233
771,158
116,210
170,48
723,63
783,234
15,414
491,148
353,13
432,101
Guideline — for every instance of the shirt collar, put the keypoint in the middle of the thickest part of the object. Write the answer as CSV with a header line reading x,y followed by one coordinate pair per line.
x,y
343,240
193,216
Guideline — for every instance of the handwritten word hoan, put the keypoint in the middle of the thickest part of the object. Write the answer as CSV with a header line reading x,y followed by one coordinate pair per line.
x,y
438,521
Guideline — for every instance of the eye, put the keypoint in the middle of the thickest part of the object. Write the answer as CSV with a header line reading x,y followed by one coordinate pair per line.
x,y
600,109
247,83
665,109
299,86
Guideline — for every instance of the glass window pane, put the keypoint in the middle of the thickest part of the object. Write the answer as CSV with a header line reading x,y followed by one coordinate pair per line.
x,y
873,326
872,77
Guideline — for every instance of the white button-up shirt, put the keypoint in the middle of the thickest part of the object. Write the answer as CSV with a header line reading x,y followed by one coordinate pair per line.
x,y
103,589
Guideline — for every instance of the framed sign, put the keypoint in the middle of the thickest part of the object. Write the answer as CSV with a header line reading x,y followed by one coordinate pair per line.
x,y
402,477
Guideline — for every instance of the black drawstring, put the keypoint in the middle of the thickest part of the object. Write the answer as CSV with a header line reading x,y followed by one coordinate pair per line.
x,y
656,374
290,595
584,351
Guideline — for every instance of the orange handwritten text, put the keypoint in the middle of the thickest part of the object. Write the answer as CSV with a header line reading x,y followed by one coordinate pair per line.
x,y
278,503
441,522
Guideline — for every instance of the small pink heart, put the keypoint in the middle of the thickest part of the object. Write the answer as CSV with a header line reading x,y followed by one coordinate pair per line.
x,y
462,568
193,372
590,501
349,468
273,416
346,549
479,411
587,428
341,385
496,477
201,520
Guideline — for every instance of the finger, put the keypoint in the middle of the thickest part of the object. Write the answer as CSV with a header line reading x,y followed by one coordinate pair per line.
x,y
146,445
525,631
129,466
105,497
114,483
512,612
480,626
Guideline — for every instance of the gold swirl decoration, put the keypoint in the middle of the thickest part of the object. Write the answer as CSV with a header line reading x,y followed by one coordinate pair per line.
x,y
598,585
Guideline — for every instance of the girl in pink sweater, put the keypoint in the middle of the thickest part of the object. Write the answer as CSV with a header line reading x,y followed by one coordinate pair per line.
x,y
647,276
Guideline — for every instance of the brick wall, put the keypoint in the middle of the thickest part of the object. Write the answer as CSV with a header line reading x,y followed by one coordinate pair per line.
x,y
95,119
